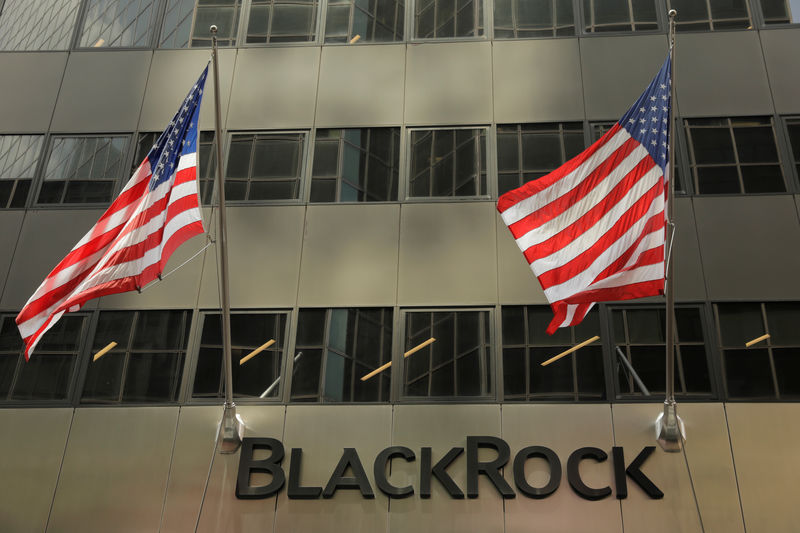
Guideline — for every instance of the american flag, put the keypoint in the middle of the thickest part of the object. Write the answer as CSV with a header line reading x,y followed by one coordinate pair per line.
x,y
594,229
130,245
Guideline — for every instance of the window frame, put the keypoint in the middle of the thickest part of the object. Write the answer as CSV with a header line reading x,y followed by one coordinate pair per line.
x,y
751,14
785,148
156,22
757,15
38,168
411,27
575,25
582,21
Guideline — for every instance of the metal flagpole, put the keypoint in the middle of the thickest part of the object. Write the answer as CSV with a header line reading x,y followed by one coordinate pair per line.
x,y
230,429
669,427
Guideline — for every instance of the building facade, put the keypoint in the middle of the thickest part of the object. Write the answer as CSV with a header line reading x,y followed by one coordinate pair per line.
x,y
364,147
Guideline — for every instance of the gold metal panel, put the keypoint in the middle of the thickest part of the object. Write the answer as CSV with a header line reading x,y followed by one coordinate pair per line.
x,y
689,282
115,470
764,439
782,56
443,427
11,222
563,429
516,282
37,76
31,445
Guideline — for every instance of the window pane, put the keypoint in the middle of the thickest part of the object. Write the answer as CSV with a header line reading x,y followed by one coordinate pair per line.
x,y
793,128
619,15
177,25
273,21
265,166
780,11
783,319
447,163
35,25
787,369
222,13
378,20
124,23
700,15
533,18
739,323
19,155
438,19
747,373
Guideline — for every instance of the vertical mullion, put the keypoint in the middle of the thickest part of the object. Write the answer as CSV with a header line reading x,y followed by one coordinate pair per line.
x,y
324,357
772,370
735,155
124,376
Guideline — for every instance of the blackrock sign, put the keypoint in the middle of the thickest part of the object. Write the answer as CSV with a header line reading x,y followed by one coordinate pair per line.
x,y
357,478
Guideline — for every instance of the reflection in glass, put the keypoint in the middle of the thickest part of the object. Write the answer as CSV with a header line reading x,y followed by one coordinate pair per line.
x,y
704,15
37,25
118,23
264,166
533,18
282,21
441,19
374,21
619,15
447,163
19,155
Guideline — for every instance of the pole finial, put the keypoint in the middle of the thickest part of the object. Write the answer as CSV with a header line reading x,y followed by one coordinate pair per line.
x,y
213,28
672,13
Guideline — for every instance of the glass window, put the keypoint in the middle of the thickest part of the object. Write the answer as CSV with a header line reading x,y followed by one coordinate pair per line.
x,y
207,161
780,11
37,25
704,15
457,363
442,19
374,21
186,22
19,155
533,18
619,15
527,152
48,375
83,169
122,23
264,166
447,162
356,165
769,368
793,127
259,376
336,349
734,155
639,335
578,376
282,21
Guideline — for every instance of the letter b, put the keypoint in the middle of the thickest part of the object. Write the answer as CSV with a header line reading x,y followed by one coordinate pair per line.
x,y
271,465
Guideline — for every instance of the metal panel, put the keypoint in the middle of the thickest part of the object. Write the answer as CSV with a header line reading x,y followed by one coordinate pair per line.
x,y
633,430
102,92
543,425
447,254
115,470
744,243
616,70
188,473
222,511
689,283
361,86
38,77
322,432
172,74
721,74
350,256
46,237
274,88
11,222
711,464
764,440
32,446
516,282
537,80
782,55
449,83
264,257
442,427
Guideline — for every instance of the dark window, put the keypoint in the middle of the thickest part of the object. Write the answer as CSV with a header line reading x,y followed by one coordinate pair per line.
x,y
48,375
82,169
35,25
704,15
446,163
118,23
578,376
374,21
526,152
734,155
206,174
639,334
259,376
19,156
619,15
356,165
147,363
264,166
780,11
339,347
793,127
767,369
442,19
186,22
282,21
533,18
457,363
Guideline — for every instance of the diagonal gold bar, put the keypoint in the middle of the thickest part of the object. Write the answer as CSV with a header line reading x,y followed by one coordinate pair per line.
x,y
110,346
413,350
257,351
574,348
756,340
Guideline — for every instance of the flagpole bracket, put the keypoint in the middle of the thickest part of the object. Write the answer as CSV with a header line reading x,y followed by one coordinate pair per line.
x,y
231,430
670,431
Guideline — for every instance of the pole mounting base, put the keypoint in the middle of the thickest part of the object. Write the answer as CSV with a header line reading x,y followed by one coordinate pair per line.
x,y
670,431
231,430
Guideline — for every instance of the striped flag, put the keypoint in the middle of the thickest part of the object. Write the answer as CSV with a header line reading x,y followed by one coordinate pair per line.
x,y
594,229
130,245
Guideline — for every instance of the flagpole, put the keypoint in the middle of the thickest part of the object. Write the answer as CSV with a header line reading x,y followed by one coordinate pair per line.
x,y
230,429
669,427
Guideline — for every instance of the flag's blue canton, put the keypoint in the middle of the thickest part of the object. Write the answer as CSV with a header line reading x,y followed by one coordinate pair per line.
x,y
179,137
648,120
